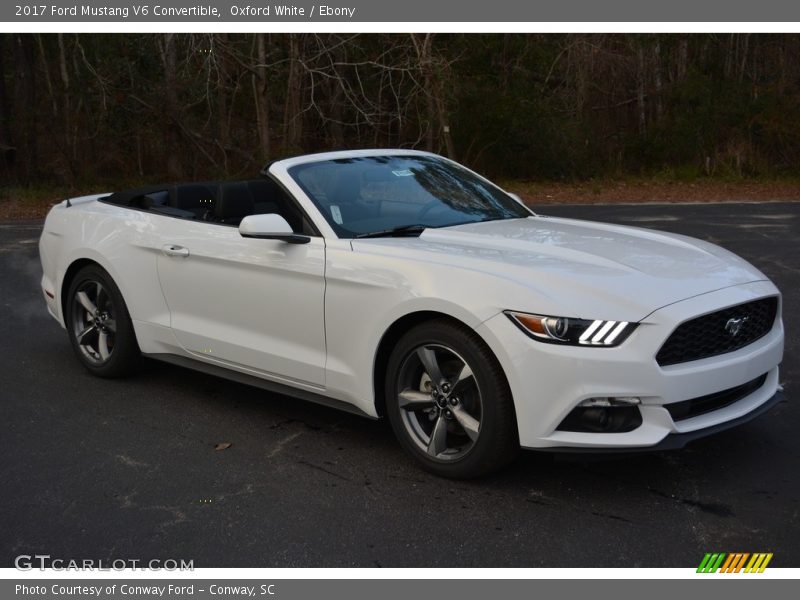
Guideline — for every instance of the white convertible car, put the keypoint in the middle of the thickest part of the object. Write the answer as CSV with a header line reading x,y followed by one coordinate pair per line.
x,y
399,283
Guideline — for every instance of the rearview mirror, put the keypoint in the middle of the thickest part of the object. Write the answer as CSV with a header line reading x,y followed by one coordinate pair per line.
x,y
270,227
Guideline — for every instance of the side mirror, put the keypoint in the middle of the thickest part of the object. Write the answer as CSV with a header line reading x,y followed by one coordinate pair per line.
x,y
270,227
515,197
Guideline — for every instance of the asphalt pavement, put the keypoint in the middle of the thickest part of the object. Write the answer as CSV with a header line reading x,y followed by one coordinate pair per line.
x,y
110,469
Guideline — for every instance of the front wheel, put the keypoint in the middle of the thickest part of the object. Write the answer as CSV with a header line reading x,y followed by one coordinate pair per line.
x,y
448,401
99,325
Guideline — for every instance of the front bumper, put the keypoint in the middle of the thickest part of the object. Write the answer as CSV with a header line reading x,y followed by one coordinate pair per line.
x,y
548,381
676,441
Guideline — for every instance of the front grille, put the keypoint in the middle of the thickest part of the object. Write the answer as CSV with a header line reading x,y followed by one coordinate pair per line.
x,y
712,334
704,404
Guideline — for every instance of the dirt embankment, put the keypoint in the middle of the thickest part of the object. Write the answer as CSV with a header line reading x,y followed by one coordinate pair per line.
x,y
622,192
21,203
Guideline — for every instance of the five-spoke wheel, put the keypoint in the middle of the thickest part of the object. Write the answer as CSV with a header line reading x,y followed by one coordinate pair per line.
x,y
93,323
98,324
441,401
448,401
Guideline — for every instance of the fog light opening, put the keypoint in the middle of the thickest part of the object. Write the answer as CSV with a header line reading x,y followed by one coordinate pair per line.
x,y
604,415
611,401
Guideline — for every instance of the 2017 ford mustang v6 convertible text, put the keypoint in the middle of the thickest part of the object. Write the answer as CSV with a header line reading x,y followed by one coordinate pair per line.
x,y
399,283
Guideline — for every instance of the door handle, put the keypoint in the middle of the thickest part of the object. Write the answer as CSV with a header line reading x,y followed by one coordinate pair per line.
x,y
175,250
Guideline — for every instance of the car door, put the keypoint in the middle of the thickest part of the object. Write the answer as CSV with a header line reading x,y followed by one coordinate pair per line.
x,y
254,304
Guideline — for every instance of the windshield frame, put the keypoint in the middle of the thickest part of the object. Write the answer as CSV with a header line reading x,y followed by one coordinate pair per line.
x,y
281,170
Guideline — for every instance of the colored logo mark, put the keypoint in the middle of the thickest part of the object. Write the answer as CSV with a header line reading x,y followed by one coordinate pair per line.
x,y
734,562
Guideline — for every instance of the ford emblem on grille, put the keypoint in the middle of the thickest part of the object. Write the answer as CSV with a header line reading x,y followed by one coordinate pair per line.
x,y
734,326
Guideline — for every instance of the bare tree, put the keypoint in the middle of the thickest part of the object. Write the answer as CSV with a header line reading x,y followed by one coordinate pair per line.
x,y
261,94
167,46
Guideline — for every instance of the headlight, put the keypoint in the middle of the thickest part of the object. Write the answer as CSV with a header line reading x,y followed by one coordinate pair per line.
x,y
576,332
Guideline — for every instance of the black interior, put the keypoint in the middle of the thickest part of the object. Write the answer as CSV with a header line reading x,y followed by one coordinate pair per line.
x,y
221,202
198,198
234,202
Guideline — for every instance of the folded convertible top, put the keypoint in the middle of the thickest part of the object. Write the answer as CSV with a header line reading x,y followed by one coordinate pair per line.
x,y
125,197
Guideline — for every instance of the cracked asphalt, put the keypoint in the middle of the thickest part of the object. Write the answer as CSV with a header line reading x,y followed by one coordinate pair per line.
x,y
104,469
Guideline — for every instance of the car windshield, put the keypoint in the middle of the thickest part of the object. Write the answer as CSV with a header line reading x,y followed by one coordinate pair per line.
x,y
378,195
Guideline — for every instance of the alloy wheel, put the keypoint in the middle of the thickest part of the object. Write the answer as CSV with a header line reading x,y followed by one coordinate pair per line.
x,y
440,402
93,322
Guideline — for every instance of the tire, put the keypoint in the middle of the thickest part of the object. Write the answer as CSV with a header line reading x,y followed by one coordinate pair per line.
x,y
462,427
99,326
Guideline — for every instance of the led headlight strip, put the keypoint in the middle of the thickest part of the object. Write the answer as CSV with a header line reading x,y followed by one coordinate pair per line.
x,y
603,332
576,332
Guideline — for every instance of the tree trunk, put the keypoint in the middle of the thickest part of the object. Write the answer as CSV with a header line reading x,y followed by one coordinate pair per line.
x,y
657,79
172,134
640,105
262,96
441,109
729,56
683,57
24,128
292,119
70,144
6,148
745,53
223,88
425,62
336,111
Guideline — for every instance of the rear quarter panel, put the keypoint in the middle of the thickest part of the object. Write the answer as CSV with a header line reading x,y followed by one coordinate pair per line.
x,y
122,241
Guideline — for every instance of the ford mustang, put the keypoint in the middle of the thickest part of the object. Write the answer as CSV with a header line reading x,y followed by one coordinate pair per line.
x,y
401,284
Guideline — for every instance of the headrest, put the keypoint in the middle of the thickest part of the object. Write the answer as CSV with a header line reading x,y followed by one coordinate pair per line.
x,y
194,195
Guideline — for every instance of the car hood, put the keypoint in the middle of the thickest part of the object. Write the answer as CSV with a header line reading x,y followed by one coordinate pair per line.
x,y
622,272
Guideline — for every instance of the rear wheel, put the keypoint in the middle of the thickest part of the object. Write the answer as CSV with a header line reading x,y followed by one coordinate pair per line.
x,y
99,325
448,401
